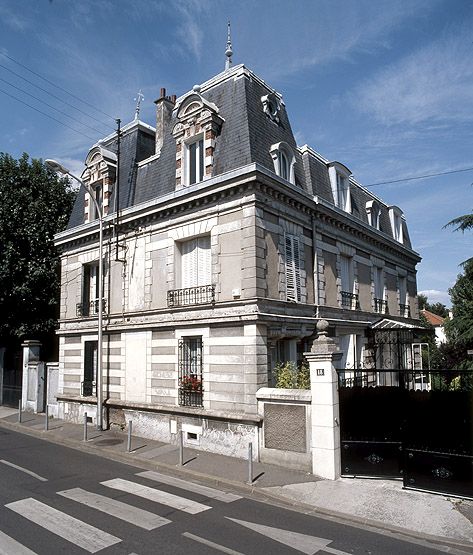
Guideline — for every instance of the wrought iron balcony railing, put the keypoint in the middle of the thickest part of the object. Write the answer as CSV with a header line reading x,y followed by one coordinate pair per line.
x,y
87,388
202,294
381,306
91,308
350,300
405,310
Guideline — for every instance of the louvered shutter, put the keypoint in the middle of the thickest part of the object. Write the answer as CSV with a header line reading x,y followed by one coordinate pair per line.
x,y
203,260
189,264
293,273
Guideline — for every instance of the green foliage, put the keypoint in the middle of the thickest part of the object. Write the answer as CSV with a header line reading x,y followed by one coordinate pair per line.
x,y
289,376
34,205
436,308
462,223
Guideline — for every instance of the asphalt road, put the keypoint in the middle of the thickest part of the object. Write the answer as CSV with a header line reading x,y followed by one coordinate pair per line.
x,y
58,500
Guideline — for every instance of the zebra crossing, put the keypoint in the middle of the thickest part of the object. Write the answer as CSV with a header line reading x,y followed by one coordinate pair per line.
x,y
93,539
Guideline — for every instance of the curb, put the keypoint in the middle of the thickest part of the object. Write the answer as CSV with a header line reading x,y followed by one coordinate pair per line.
x,y
441,543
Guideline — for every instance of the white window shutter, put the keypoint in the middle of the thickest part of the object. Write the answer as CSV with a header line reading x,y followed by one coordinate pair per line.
x,y
189,264
297,267
204,261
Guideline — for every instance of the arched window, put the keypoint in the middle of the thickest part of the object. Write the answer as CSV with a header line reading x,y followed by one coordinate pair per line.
x,y
283,160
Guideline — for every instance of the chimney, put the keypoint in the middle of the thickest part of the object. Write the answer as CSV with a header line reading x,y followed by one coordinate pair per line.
x,y
164,107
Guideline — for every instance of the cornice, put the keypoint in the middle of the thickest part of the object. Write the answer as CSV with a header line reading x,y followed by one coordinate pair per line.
x,y
252,178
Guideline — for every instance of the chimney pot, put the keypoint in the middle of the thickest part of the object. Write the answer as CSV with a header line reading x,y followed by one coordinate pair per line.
x,y
163,92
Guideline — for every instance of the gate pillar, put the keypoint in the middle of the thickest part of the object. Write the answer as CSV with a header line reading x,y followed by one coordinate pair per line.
x,y
325,428
32,390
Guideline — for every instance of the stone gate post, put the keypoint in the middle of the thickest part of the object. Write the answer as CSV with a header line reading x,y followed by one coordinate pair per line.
x,y
33,386
325,433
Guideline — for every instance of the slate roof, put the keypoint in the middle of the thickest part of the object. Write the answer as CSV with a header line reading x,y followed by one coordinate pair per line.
x,y
246,137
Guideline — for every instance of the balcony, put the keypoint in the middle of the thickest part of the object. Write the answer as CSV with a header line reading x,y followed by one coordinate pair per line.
x,y
202,294
404,310
350,301
90,308
381,306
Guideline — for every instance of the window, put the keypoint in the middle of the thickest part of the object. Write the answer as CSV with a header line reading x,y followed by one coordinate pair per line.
x,y
283,166
380,304
404,309
195,262
373,212
90,290
347,283
190,371
395,215
90,368
195,274
293,270
342,192
97,191
283,160
195,161
340,183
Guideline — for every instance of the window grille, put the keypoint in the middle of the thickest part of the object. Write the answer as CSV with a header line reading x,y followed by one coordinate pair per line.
x,y
190,372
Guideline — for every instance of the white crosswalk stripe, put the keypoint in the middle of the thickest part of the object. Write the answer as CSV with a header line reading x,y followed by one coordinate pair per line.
x,y
67,527
211,493
128,513
9,546
169,499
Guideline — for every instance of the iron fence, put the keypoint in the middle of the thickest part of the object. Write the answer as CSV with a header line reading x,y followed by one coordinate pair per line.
x,y
91,308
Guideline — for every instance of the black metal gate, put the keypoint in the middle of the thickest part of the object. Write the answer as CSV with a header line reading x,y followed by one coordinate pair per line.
x,y
414,425
12,378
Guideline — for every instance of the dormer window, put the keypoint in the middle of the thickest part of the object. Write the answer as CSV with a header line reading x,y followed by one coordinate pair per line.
x,y
340,182
99,178
195,132
373,212
395,216
283,160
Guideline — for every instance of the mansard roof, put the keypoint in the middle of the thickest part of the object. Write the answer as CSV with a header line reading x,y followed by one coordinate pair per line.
x,y
246,136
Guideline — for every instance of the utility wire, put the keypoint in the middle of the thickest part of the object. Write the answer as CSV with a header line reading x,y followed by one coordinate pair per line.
x,y
50,106
55,96
57,86
45,114
418,177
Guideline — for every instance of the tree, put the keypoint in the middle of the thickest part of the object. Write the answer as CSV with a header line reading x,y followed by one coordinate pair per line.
x,y
34,205
462,223
436,308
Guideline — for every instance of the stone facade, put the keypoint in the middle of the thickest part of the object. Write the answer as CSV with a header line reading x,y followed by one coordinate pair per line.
x,y
258,236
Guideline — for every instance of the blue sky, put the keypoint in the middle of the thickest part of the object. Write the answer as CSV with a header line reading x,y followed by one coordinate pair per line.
x,y
385,87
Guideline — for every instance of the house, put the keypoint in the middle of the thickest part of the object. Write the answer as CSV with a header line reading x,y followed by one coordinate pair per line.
x,y
437,322
229,244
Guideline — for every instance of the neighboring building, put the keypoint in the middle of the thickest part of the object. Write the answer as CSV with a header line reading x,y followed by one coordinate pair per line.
x,y
231,243
438,324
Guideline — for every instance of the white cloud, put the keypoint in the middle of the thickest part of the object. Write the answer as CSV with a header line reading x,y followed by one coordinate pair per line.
x,y
431,86
435,296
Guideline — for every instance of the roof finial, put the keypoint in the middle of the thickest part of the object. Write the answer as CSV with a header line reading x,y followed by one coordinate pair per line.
x,y
228,51
138,99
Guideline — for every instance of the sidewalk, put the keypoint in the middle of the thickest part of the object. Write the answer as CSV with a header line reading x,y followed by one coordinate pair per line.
x,y
380,504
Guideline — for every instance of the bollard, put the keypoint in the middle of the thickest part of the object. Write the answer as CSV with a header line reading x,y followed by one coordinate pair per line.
x,y
19,411
181,448
46,418
250,463
130,424
85,426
